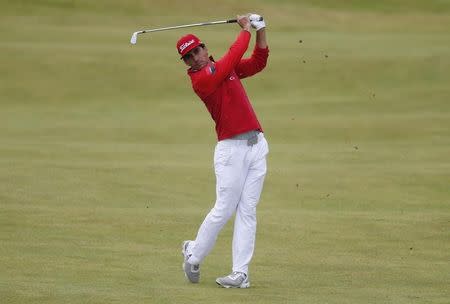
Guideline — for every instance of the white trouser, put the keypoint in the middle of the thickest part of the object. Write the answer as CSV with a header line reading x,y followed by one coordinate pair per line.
x,y
240,170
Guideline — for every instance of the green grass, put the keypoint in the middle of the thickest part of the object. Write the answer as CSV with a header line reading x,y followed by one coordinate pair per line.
x,y
106,153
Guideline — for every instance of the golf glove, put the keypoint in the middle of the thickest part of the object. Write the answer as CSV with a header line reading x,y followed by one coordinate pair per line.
x,y
255,21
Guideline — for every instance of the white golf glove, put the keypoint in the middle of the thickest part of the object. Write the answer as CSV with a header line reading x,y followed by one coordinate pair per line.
x,y
255,21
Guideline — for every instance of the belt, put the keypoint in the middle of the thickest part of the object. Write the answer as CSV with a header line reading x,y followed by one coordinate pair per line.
x,y
251,137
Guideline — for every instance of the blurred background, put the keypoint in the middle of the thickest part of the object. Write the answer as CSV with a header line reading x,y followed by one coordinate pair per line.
x,y
106,152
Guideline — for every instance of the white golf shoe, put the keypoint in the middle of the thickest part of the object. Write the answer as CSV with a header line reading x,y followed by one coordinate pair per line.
x,y
192,272
234,280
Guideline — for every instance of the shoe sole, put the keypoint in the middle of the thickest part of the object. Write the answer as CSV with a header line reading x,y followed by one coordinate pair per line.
x,y
243,285
183,248
183,252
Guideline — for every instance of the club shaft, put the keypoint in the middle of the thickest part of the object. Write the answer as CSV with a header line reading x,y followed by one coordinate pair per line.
x,y
187,25
134,36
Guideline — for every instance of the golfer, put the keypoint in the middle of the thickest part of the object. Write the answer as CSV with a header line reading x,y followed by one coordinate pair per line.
x,y
240,154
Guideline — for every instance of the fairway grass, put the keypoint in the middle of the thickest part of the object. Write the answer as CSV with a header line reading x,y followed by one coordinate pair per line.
x,y
106,153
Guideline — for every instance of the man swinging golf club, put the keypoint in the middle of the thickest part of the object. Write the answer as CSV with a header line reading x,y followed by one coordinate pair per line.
x,y
240,154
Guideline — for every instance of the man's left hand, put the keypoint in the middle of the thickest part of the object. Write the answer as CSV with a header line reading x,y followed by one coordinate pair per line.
x,y
257,21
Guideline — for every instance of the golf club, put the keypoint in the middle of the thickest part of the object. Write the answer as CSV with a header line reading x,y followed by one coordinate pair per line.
x,y
135,34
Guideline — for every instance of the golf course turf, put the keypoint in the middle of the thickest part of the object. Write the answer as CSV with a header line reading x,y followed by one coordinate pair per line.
x,y
106,153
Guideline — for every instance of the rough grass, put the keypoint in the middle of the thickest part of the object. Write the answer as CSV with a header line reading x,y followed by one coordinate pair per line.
x,y
105,153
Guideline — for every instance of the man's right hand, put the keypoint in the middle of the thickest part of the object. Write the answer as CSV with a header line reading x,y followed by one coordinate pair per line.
x,y
244,22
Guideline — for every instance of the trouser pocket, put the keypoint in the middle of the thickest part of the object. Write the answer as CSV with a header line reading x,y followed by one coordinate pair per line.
x,y
223,154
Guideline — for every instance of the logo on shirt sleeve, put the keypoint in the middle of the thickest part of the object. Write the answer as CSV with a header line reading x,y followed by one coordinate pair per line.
x,y
211,69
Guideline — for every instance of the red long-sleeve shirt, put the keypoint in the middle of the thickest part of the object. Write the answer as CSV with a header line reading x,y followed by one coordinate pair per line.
x,y
218,85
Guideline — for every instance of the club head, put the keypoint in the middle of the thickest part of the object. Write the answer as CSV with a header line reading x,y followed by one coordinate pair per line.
x,y
134,38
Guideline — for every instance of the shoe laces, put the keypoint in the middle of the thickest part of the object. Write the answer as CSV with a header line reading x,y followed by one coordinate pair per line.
x,y
235,275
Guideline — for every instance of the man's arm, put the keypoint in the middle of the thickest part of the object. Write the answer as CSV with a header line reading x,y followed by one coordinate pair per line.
x,y
257,62
261,40
210,77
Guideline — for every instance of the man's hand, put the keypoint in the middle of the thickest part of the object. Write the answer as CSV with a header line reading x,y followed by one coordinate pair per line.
x,y
244,22
256,21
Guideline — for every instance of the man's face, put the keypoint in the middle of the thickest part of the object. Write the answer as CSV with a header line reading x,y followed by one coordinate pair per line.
x,y
197,58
